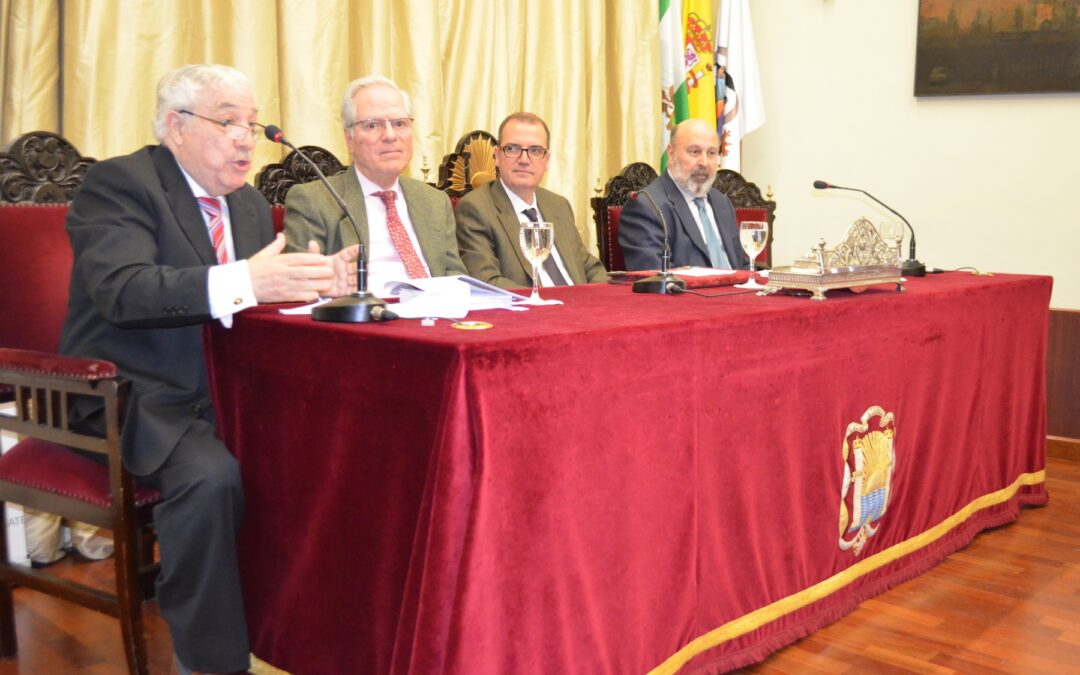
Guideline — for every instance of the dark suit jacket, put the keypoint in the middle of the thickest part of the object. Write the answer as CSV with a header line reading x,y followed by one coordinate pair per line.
x,y
138,294
642,237
487,235
312,214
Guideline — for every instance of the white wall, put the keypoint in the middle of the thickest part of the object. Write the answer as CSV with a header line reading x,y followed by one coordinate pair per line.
x,y
987,181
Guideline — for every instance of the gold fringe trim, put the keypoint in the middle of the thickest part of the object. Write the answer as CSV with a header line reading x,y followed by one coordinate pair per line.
x,y
768,613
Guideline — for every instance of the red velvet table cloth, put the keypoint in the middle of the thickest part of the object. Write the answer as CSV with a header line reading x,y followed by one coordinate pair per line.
x,y
624,483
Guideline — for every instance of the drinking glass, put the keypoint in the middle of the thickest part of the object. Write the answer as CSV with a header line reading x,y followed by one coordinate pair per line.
x,y
893,233
537,240
752,235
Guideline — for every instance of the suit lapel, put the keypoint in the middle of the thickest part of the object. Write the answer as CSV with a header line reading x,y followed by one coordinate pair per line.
x,y
683,215
245,226
184,206
510,223
563,230
348,185
419,207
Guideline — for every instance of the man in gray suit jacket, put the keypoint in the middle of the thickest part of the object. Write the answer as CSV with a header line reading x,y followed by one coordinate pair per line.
x,y
407,226
166,240
489,218
700,219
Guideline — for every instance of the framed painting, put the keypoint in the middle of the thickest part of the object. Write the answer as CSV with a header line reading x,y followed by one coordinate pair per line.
x,y
997,47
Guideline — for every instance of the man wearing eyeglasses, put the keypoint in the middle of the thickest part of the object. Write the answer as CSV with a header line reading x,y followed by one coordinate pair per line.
x,y
166,240
407,225
490,216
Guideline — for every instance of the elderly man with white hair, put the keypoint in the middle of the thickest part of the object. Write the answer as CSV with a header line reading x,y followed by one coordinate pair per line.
x,y
407,226
165,240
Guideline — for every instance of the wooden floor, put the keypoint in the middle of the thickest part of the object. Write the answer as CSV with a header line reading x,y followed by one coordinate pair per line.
x,y
1009,602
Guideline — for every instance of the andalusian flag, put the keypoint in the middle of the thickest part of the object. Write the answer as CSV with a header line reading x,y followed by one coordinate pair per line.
x,y
687,73
739,105
709,72
673,106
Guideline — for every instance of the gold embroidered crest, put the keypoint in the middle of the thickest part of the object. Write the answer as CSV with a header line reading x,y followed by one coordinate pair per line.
x,y
869,460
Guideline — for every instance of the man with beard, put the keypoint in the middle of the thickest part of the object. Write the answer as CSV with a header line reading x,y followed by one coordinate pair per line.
x,y
700,219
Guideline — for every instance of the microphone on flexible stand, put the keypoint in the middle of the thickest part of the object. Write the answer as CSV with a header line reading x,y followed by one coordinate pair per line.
x,y
361,306
665,282
910,267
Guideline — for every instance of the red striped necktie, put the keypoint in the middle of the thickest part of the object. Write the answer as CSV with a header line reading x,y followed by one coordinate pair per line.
x,y
211,206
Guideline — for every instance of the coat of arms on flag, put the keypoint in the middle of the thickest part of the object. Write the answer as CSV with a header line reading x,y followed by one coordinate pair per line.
x,y
869,459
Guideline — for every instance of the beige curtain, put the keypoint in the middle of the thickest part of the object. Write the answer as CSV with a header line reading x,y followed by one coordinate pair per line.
x,y
590,69
29,67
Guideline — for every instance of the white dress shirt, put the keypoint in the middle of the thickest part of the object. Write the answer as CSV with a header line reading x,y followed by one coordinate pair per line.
x,y
697,217
228,286
520,205
384,263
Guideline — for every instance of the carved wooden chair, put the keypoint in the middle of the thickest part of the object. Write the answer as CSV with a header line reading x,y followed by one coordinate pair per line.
x,y
607,206
470,165
275,180
39,472
43,474
41,168
608,203
749,205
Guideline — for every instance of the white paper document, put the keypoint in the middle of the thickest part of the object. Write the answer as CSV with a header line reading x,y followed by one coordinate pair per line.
x,y
438,297
447,297
305,309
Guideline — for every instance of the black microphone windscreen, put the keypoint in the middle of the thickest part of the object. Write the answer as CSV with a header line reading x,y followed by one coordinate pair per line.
x,y
821,185
273,132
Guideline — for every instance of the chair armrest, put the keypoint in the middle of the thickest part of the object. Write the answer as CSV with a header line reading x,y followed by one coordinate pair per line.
x,y
54,365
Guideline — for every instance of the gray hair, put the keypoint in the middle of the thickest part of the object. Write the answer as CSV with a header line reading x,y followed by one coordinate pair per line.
x,y
348,105
179,89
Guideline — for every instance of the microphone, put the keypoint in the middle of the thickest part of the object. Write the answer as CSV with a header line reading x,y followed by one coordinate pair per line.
x,y
665,282
910,267
361,306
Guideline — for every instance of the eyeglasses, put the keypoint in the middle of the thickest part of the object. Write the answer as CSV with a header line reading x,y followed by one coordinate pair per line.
x,y
513,151
234,130
373,127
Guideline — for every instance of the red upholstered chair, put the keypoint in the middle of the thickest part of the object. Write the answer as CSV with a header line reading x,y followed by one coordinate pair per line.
x,y
607,206
274,180
35,266
278,212
39,472
749,205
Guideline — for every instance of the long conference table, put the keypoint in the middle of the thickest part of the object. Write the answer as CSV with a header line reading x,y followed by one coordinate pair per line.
x,y
624,483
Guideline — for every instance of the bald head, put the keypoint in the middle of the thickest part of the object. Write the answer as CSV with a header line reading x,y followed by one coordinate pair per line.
x,y
692,126
693,153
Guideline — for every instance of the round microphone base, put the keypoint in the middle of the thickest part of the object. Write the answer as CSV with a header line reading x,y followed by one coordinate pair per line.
x,y
659,283
913,268
356,308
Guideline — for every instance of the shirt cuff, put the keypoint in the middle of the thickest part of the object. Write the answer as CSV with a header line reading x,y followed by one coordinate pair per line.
x,y
230,290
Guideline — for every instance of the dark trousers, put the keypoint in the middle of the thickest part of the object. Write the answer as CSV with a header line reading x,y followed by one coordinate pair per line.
x,y
198,589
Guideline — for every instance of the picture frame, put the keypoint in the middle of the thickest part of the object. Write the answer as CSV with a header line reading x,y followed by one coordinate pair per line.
x,y
997,47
